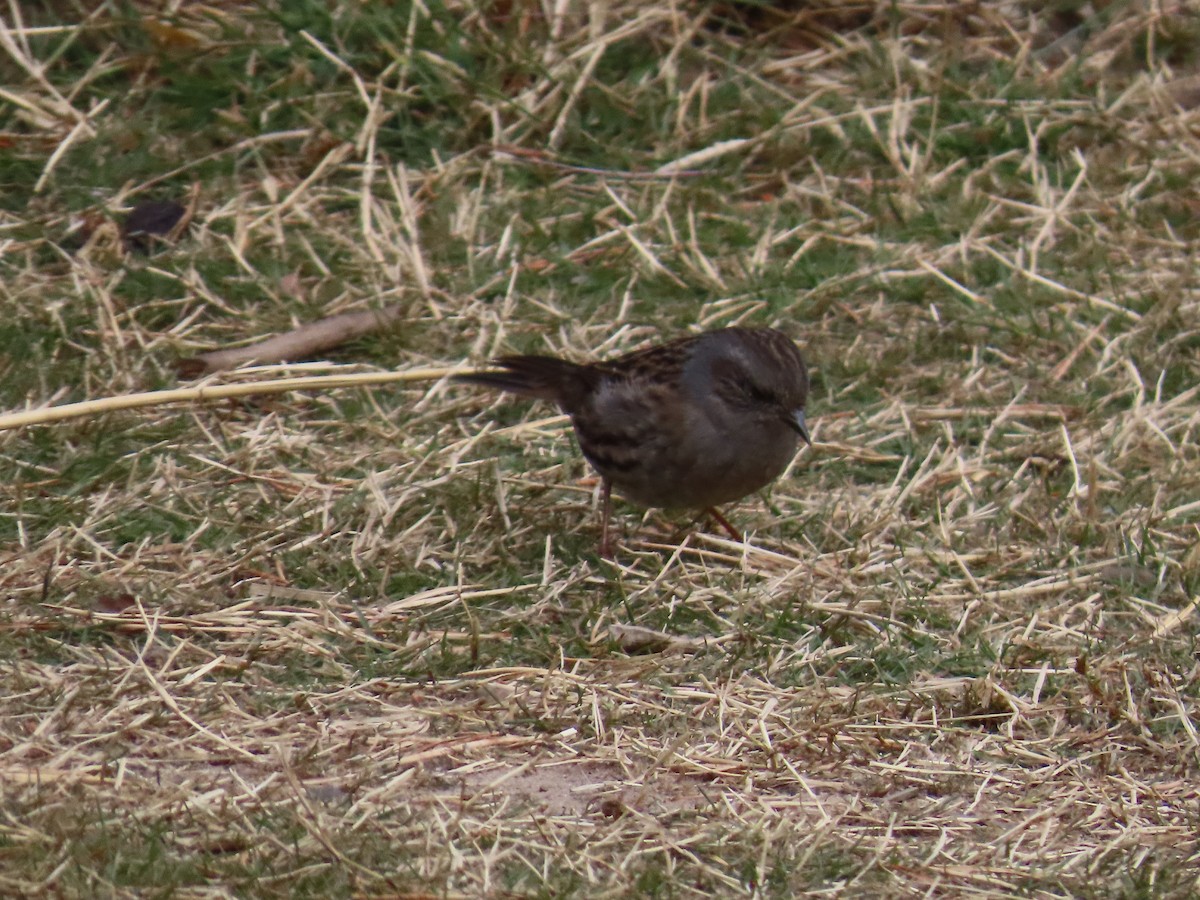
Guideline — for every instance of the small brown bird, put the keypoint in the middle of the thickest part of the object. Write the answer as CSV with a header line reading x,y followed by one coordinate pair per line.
x,y
695,422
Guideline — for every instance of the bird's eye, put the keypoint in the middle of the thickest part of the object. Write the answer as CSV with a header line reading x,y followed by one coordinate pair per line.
x,y
734,383
753,394
760,394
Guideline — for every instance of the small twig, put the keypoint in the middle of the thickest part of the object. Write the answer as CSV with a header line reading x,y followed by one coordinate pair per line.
x,y
294,345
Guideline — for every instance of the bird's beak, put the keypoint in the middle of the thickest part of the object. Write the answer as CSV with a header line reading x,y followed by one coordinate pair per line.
x,y
796,420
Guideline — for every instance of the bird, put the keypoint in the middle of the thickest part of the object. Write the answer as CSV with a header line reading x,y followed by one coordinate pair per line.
x,y
695,422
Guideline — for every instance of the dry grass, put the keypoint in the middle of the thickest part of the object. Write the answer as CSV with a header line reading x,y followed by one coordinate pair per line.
x,y
358,642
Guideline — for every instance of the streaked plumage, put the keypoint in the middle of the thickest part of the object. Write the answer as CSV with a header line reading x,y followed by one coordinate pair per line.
x,y
695,422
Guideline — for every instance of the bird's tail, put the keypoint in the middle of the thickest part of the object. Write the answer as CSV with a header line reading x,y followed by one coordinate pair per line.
x,y
544,377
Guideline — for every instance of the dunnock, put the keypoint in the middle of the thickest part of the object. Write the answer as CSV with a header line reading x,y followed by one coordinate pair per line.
x,y
695,422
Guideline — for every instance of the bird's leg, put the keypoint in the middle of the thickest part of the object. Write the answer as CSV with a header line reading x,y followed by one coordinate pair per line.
x,y
724,523
605,515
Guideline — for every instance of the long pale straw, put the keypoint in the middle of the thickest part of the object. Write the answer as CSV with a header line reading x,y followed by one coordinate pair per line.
x,y
206,393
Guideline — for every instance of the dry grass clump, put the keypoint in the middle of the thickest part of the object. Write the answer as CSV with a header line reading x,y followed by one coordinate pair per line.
x,y
356,640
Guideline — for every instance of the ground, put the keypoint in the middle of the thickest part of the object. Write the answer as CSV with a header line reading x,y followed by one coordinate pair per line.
x,y
357,640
